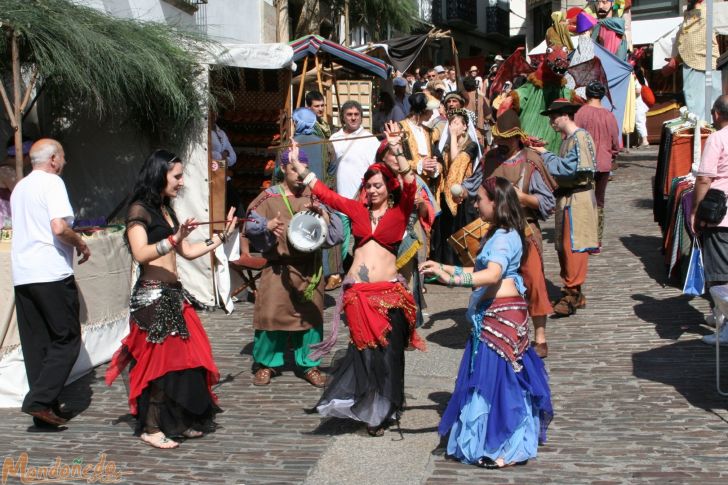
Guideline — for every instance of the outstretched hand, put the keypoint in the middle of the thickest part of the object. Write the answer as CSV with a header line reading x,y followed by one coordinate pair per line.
x,y
393,133
435,269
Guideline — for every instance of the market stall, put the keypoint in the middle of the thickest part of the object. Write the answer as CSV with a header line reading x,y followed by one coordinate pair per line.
x,y
338,72
257,77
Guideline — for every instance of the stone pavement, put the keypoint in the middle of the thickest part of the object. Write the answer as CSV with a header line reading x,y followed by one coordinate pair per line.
x,y
633,390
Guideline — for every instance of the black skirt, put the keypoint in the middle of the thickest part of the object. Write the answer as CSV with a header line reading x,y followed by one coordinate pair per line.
x,y
186,403
368,385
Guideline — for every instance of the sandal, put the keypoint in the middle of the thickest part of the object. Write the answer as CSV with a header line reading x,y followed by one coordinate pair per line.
x,y
375,431
159,440
190,433
488,464
263,376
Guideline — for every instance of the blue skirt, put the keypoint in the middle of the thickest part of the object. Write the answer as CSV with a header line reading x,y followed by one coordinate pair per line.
x,y
495,411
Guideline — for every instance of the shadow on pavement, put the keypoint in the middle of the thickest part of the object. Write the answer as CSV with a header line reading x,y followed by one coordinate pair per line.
x,y
457,314
453,337
642,203
76,397
672,317
649,250
689,367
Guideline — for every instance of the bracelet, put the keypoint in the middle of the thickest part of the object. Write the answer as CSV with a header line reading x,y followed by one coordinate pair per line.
x,y
209,242
304,174
405,171
163,247
222,236
458,270
451,281
310,177
172,241
467,280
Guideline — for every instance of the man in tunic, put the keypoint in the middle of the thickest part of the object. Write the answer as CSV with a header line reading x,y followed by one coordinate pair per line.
x,y
525,170
576,209
289,304
602,126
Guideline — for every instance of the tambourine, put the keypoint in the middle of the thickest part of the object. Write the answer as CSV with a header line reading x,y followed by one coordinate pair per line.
x,y
307,231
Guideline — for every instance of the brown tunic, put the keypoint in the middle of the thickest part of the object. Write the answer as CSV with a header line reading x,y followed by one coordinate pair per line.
x,y
279,303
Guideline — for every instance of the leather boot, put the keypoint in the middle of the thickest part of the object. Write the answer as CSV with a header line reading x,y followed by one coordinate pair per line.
x,y
579,298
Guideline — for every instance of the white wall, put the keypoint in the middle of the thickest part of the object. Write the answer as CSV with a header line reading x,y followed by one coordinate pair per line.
x,y
152,10
518,17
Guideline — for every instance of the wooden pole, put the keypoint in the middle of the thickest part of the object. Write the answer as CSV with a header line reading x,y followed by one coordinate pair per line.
x,y
16,105
457,64
302,82
318,76
336,91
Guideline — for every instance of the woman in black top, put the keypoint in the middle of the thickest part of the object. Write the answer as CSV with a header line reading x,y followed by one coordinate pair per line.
x,y
172,369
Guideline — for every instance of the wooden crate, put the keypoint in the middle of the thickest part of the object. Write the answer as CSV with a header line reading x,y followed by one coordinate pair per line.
x,y
360,91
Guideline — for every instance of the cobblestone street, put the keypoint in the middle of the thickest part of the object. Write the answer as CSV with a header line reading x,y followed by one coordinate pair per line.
x,y
633,390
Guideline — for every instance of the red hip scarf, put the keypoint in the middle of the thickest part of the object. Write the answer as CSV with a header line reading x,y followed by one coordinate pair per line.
x,y
366,306
504,328
153,360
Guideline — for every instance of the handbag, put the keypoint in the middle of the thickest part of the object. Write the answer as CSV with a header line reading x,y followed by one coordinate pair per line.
x,y
695,278
648,96
712,208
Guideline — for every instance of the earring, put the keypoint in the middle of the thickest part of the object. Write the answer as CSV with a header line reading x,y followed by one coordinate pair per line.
x,y
390,201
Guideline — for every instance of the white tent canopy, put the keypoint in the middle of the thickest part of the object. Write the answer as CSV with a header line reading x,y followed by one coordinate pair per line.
x,y
252,56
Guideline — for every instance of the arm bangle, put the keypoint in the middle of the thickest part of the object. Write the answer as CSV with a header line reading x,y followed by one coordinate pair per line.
x,y
163,247
310,177
405,171
458,270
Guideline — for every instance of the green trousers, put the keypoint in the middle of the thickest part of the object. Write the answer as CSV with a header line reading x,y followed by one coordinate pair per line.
x,y
270,346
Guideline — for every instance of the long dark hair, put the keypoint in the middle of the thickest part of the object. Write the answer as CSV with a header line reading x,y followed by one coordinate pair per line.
x,y
508,213
152,179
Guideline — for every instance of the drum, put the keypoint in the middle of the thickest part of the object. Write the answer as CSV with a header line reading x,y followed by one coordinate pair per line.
x,y
307,231
466,241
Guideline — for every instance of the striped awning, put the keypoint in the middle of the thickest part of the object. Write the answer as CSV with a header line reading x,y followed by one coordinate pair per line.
x,y
315,45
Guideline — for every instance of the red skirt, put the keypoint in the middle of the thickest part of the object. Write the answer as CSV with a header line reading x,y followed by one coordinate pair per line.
x,y
153,361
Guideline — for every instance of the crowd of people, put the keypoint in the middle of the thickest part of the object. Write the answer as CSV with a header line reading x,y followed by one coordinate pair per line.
x,y
447,154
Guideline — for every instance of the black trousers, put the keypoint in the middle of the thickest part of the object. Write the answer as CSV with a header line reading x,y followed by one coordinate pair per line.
x,y
50,335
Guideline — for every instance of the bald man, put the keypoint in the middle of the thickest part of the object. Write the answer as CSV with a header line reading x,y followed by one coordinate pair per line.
x,y
46,296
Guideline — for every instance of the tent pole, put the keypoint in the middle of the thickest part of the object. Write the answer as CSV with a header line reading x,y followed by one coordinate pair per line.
x,y
708,61
336,90
318,76
457,63
302,82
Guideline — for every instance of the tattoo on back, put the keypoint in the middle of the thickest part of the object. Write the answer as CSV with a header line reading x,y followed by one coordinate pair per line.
x,y
364,273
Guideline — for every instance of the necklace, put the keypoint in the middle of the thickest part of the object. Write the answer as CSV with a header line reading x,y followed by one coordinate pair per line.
x,y
375,219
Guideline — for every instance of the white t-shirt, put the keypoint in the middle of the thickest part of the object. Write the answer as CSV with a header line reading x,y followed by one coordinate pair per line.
x,y
37,255
352,160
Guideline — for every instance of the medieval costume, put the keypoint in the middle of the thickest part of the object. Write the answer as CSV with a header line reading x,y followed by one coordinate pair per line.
x,y
576,209
172,369
525,170
544,86
613,29
461,170
368,382
601,124
501,405
289,304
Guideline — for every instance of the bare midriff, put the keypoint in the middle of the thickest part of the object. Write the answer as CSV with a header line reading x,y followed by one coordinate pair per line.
x,y
372,264
161,269
505,288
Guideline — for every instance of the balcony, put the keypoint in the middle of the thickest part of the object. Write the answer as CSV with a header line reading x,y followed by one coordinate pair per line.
x,y
497,21
455,13
188,6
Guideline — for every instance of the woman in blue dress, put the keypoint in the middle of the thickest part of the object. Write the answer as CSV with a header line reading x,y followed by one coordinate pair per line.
x,y
501,406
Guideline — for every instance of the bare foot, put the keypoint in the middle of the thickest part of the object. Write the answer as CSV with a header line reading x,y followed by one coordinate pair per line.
x,y
159,440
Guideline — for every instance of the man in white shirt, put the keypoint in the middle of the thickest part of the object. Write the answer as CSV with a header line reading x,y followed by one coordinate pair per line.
x,y
46,295
353,157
